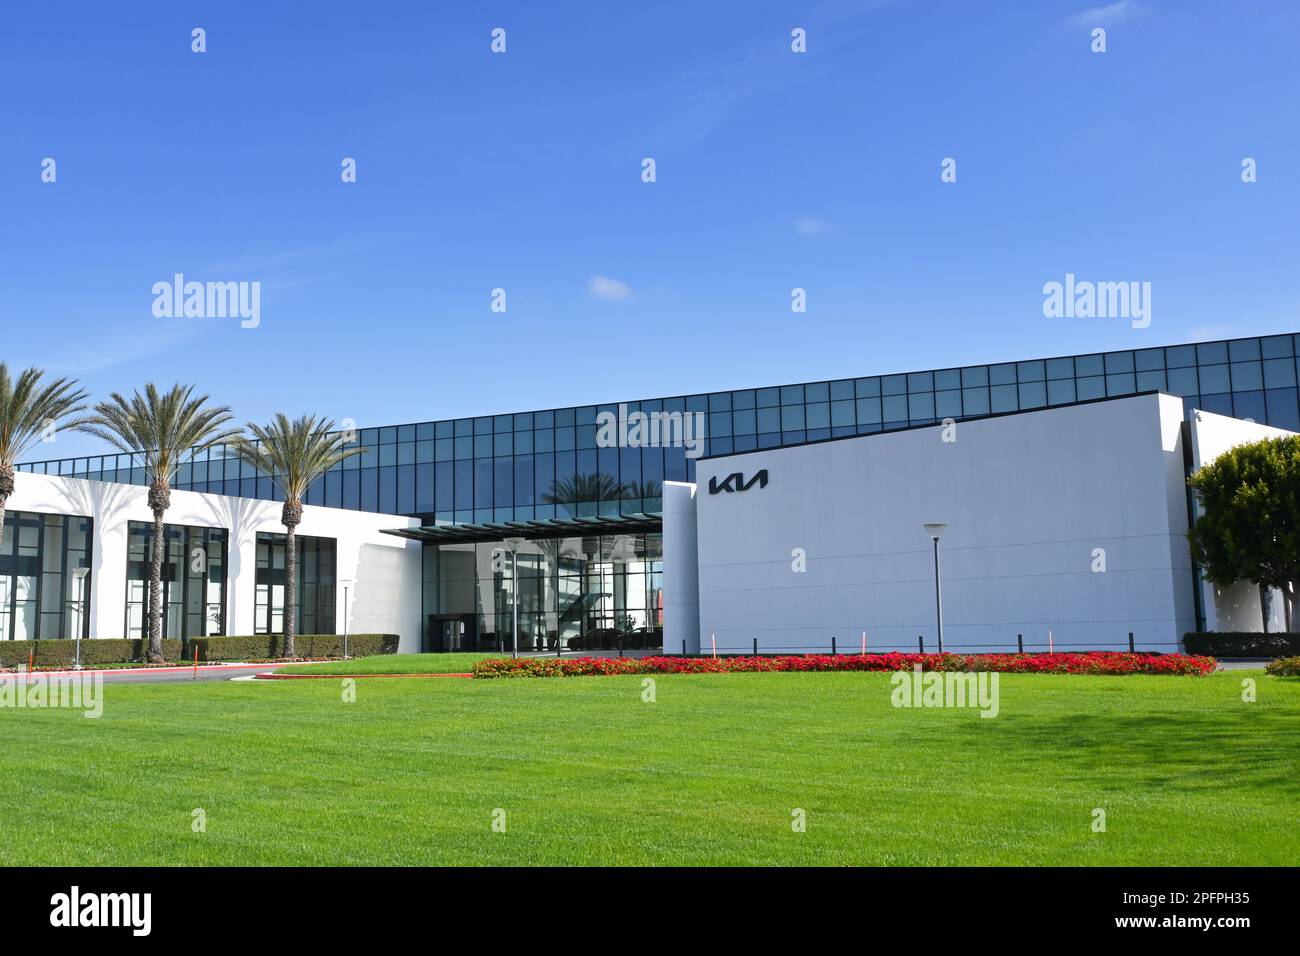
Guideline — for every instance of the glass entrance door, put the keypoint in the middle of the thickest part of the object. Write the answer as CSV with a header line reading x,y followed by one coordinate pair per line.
x,y
450,633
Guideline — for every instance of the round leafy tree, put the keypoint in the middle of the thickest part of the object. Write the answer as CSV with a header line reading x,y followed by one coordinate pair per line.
x,y
1250,526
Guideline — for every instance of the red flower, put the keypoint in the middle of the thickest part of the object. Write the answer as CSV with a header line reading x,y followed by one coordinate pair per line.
x,y
1093,662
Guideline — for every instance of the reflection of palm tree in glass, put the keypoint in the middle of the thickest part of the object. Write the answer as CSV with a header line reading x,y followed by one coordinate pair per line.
x,y
643,490
583,608
583,488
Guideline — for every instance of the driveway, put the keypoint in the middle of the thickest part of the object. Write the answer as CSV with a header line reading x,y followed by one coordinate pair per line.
x,y
163,675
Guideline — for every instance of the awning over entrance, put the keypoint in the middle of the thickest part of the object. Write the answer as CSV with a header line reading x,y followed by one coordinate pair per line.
x,y
544,528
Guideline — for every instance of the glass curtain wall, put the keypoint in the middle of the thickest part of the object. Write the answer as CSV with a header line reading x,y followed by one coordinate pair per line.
x,y
580,593
316,584
193,580
547,464
39,596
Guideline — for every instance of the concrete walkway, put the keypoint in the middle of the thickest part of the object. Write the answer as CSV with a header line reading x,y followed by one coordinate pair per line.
x,y
159,675
1244,664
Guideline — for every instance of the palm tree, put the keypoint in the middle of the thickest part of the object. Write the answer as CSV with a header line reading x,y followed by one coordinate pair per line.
x,y
160,429
294,454
28,411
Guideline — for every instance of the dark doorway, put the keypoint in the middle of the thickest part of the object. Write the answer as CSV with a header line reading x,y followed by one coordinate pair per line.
x,y
450,633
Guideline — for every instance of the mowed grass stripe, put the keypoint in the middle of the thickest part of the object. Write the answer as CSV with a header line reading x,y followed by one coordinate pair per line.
x,y
410,773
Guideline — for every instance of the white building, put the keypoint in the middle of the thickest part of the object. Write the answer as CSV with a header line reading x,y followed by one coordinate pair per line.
x,y
220,585
1067,520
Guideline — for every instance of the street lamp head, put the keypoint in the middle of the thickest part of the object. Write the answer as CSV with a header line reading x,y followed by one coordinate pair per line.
x,y
935,531
79,574
513,543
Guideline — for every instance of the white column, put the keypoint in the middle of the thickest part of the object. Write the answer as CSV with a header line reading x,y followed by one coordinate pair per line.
x,y
681,570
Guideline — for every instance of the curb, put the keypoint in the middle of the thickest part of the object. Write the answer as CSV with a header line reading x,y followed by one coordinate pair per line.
x,y
353,676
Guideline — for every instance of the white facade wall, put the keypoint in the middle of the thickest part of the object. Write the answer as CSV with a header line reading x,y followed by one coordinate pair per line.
x,y
1232,607
1033,501
681,570
385,598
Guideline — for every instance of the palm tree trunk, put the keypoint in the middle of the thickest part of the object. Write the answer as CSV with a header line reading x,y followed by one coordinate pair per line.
x,y
155,588
159,499
291,515
6,489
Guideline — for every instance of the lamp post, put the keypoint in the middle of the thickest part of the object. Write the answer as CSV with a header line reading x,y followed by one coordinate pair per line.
x,y
79,575
513,544
935,531
347,585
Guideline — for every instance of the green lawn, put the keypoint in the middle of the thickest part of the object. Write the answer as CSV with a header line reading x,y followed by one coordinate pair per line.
x,y
586,772
394,664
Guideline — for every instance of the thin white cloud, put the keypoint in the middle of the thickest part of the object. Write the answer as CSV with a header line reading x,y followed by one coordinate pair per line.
x,y
1106,15
607,289
1210,333
127,343
809,227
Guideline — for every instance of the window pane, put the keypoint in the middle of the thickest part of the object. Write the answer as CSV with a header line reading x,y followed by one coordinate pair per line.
x,y
975,401
1003,398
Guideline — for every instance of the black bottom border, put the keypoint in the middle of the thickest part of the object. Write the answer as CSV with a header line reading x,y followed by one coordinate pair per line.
x,y
334,905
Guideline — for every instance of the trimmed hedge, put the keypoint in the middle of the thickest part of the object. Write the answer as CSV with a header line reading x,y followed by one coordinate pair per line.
x,y
608,639
97,650
1241,644
268,646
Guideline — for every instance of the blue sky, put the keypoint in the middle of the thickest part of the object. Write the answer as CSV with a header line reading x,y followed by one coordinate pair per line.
x,y
522,171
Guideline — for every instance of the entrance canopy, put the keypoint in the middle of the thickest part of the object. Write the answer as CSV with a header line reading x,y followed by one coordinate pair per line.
x,y
543,528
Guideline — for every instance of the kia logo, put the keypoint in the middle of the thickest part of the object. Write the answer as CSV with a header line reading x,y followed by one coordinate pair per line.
x,y
736,482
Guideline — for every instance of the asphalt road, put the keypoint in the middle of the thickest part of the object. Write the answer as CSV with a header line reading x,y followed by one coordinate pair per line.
x,y
167,675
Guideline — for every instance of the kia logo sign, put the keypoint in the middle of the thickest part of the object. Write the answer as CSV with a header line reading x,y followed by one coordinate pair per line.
x,y
736,482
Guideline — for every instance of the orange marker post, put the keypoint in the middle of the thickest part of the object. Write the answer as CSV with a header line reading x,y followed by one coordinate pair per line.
x,y
196,663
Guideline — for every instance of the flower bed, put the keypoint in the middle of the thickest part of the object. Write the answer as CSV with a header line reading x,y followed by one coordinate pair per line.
x,y
1095,662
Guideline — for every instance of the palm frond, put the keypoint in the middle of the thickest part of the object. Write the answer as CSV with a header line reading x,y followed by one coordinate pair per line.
x,y
29,409
294,453
159,429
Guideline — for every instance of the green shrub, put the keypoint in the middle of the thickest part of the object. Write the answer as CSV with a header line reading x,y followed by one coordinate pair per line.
x,y
266,646
100,650
1241,644
1284,667
63,653
608,639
